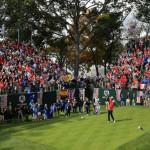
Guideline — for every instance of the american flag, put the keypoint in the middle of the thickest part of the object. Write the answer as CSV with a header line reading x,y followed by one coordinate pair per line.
x,y
71,95
132,28
139,94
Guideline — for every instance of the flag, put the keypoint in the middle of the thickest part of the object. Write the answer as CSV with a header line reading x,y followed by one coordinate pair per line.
x,y
71,94
132,28
118,93
63,93
82,93
142,86
139,94
95,92
3,101
39,98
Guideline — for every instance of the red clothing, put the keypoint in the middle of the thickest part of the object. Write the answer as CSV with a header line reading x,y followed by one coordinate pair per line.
x,y
111,104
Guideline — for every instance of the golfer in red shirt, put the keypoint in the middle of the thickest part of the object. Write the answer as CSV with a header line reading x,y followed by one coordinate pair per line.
x,y
110,109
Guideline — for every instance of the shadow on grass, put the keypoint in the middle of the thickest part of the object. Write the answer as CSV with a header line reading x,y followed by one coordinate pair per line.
x,y
128,119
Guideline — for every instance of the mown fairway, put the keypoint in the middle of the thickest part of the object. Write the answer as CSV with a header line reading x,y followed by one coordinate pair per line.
x,y
91,133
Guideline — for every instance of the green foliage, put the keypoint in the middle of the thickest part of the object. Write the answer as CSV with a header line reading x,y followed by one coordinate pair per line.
x,y
27,16
143,10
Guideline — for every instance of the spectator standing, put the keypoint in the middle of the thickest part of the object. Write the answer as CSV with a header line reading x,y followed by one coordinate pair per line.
x,y
122,100
74,103
87,104
80,104
134,100
45,112
128,100
39,114
27,112
54,110
68,108
62,105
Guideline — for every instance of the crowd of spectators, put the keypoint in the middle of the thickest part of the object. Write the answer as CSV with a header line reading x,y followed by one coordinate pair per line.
x,y
132,71
25,68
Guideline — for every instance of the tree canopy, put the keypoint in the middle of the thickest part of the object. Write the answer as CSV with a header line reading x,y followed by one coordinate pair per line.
x,y
64,19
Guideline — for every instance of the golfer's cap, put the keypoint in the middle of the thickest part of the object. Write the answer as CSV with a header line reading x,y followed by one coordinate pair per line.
x,y
111,97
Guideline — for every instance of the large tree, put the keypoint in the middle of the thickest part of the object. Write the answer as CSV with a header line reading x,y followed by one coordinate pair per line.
x,y
30,17
54,18
69,14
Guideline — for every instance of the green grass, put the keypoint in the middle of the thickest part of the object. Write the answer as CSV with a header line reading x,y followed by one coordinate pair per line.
x,y
91,133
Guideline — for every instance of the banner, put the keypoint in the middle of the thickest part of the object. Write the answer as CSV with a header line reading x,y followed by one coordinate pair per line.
x,y
3,101
139,94
95,92
63,93
18,100
118,93
49,98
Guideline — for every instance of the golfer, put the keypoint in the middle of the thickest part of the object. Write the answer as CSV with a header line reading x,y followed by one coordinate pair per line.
x,y
110,109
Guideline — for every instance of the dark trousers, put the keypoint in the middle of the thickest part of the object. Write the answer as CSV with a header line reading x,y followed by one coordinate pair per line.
x,y
62,108
74,109
68,112
88,109
80,109
110,113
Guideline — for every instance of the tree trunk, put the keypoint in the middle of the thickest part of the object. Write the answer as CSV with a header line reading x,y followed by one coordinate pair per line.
x,y
77,51
105,70
95,63
76,65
